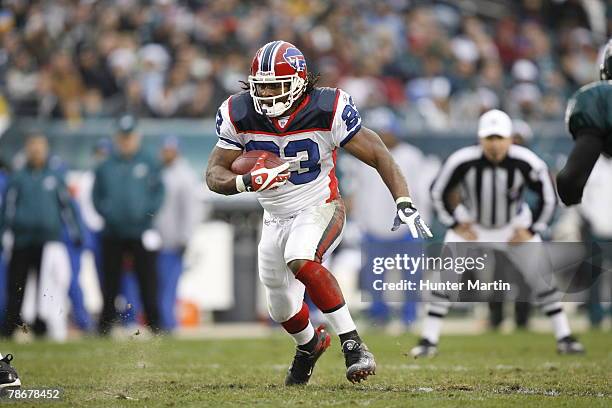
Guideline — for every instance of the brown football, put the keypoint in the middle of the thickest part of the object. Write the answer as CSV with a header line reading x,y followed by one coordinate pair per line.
x,y
245,162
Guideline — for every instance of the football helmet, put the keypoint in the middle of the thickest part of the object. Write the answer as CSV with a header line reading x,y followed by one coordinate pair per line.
x,y
605,69
281,64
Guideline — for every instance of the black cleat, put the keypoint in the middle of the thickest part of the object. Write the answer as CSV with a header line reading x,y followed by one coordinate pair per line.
x,y
359,361
424,348
9,380
303,363
569,345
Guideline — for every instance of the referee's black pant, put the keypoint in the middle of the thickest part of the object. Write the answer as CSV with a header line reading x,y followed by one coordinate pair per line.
x,y
23,260
145,266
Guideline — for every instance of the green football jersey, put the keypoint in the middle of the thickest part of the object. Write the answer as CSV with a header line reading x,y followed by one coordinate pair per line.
x,y
591,108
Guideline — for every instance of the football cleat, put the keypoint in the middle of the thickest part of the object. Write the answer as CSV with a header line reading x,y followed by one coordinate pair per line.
x,y
359,361
303,363
9,380
569,345
424,348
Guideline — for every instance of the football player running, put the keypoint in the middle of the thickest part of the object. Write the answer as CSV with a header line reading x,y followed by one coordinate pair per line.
x,y
284,113
589,120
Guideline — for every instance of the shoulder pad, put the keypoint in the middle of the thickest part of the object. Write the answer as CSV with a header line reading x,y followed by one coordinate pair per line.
x,y
325,98
239,105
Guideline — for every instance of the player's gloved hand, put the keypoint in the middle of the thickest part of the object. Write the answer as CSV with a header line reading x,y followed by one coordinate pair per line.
x,y
261,178
407,214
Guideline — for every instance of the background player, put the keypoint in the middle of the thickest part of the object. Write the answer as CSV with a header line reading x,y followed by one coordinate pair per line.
x,y
589,120
304,215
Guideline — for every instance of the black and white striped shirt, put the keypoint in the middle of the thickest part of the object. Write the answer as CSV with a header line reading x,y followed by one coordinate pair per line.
x,y
493,194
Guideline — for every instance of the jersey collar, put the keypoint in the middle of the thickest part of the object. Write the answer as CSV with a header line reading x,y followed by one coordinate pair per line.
x,y
301,106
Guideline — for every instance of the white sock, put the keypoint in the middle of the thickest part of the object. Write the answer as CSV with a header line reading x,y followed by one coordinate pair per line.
x,y
432,325
560,325
304,336
341,320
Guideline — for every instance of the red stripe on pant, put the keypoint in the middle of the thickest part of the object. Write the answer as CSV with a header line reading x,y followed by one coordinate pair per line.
x,y
298,322
332,231
322,286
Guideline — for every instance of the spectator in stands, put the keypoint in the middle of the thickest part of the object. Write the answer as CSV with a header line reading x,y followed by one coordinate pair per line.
x,y
61,51
176,221
21,82
127,193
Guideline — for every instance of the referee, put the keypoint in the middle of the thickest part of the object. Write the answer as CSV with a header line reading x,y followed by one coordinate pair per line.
x,y
478,194
491,177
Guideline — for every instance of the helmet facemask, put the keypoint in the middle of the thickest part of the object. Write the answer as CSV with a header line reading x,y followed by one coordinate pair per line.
x,y
292,88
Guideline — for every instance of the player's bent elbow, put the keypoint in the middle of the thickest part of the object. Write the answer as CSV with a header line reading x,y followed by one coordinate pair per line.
x,y
569,189
211,183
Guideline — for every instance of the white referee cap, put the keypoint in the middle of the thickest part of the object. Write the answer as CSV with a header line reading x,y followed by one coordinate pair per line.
x,y
495,122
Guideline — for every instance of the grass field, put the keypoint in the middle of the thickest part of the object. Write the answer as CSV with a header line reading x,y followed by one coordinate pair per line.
x,y
473,371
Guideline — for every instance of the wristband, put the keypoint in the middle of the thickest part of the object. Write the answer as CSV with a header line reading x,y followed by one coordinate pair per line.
x,y
403,200
240,186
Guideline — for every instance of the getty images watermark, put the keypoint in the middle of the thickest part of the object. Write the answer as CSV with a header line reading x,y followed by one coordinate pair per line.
x,y
412,265
480,271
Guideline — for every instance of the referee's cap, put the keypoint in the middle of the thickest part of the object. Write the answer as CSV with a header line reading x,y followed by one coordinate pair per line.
x,y
495,122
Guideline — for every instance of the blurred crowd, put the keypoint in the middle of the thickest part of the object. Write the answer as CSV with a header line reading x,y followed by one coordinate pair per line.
x,y
435,63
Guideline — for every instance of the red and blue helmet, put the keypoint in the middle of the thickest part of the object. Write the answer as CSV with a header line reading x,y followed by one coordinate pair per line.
x,y
278,62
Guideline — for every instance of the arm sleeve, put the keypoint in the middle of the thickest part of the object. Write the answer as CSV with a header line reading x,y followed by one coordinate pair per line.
x,y
346,121
539,181
226,132
573,177
448,178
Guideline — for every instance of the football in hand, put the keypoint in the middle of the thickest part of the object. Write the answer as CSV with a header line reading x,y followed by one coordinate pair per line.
x,y
245,162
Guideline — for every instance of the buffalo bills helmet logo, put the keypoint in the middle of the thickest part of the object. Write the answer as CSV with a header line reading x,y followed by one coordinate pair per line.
x,y
294,57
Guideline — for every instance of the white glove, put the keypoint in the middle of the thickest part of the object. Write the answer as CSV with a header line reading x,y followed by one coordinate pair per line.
x,y
407,214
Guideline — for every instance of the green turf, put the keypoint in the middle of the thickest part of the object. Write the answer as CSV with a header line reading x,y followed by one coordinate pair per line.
x,y
472,371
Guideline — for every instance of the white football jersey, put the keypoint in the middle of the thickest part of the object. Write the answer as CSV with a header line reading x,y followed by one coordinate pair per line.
x,y
325,120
